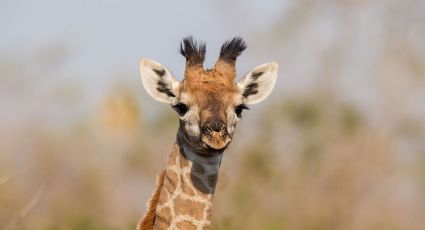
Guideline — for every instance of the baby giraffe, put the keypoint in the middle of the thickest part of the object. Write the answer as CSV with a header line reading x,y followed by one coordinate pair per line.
x,y
209,103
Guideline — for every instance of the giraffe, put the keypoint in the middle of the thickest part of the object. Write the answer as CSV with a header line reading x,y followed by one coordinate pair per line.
x,y
209,103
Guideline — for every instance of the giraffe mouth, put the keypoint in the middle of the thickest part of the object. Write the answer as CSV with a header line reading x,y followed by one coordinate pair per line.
x,y
216,140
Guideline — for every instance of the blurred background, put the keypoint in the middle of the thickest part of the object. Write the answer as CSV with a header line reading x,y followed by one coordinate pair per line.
x,y
340,144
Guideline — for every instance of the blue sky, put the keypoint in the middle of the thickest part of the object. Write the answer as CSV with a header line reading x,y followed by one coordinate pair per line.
x,y
346,43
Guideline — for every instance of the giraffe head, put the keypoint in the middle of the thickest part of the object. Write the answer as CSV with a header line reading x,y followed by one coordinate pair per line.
x,y
209,102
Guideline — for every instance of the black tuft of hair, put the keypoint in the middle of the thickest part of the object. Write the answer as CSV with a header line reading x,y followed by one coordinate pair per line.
x,y
231,49
192,51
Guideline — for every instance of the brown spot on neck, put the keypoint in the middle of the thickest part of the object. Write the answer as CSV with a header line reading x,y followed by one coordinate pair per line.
x,y
149,219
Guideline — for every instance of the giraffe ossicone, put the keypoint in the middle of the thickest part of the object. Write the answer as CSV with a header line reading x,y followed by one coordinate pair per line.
x,y
209,103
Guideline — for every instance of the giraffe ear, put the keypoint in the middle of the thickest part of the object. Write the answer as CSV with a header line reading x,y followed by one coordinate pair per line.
x,y
158,81
258,83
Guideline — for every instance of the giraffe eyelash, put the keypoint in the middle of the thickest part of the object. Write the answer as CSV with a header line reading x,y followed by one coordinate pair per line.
x,y
181,109
239,109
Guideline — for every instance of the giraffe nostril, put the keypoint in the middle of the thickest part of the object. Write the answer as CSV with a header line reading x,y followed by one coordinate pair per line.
x,y
223,129
206,129
214,127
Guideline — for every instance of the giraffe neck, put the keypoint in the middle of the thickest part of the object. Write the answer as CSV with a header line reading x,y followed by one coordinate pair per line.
x,y
185,198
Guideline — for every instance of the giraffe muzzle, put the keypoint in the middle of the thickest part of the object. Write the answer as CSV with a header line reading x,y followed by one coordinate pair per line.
x,y
215,135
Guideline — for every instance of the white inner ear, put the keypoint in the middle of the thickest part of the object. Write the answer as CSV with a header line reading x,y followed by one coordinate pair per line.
x,y
158,81
258,83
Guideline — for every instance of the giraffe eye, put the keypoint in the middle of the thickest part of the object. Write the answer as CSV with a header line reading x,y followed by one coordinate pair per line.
x,y
239,109
181,109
